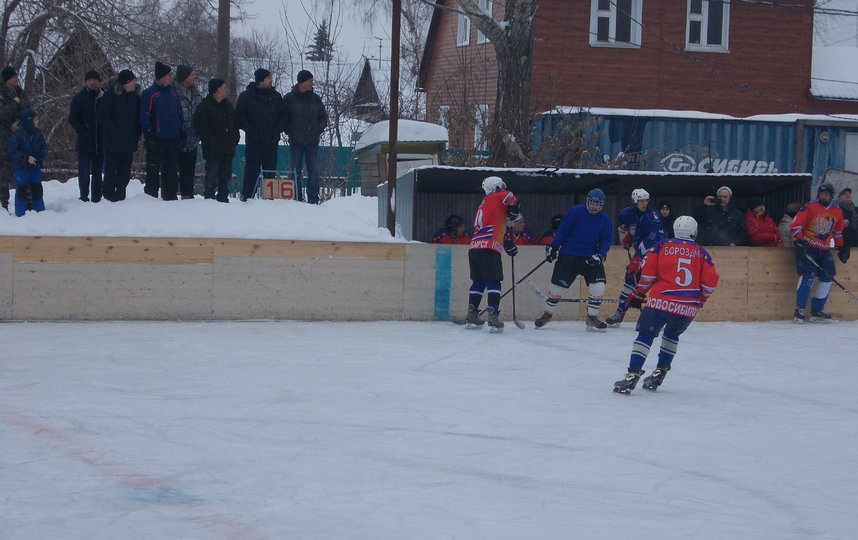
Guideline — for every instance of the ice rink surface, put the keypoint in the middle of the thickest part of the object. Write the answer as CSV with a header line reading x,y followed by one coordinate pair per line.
x,y
274,430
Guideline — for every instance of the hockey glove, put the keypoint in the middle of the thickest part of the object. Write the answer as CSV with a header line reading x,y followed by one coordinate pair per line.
x,y
595,260
636,300
843,253
625,238
551,253
510,248
634,265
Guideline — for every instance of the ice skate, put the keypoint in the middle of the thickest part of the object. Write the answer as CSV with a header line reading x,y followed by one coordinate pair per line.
x,y
652,382
817,315
473,320
595,325
542,320
798,317
495,324
628,384
614,320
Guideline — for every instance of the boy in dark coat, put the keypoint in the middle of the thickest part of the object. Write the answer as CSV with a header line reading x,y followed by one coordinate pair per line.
x,y
305,119
120,128
214,122
83,116
28,149
13,100
257,113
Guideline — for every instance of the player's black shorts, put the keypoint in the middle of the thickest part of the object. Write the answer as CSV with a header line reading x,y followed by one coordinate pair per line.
x,y
569,267
485,265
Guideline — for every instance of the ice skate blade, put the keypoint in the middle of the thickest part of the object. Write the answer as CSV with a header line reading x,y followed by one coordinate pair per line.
x,y
495,330
472,326
796,320
594,329
613,325
818,320
624,392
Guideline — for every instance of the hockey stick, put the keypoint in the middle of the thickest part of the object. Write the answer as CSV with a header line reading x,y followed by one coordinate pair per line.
x,y
540,293
516,322
821,269
456,320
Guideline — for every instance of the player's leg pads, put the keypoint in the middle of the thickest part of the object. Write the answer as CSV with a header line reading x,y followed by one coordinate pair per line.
x,y
640,350
802,290
555,292
669,345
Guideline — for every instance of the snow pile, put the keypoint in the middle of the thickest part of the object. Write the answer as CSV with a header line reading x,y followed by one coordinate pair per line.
x,y
407,131
345,219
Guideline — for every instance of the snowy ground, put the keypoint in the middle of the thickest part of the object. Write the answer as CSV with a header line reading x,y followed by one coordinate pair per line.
x,y
344,219
272,430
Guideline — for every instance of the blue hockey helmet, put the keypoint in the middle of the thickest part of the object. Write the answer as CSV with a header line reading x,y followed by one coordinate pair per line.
x,y
595,200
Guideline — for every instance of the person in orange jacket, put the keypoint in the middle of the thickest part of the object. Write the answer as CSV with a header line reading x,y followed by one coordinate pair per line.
x,y
762,230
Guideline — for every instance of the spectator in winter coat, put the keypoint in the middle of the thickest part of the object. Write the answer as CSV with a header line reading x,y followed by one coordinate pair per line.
x,y
161,121
784,226
13,100
721,224
257,113
190,98
519,234
119,115
667,218
214,121
762,231
850,222
28,149
547,237
453,232
83,117
304,119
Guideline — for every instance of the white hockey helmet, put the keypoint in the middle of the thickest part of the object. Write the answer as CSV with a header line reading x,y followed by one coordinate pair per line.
x,y
492,184
639,194
685,227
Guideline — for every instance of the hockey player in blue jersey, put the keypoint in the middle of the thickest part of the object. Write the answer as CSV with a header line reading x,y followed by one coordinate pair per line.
x,y
640,228
580,247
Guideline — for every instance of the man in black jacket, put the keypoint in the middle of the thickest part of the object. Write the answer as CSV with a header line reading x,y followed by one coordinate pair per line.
x,y
83,117
721,223
257,113
13,100
214,122
119,115
304,120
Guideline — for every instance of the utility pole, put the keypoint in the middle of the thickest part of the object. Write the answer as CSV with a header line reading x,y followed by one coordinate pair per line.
x,y
223,40
394,114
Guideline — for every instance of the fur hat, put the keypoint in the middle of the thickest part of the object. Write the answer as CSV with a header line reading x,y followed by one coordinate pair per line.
x,y
161,70
261,74
7,73
125,76
214,84
183,72
304,75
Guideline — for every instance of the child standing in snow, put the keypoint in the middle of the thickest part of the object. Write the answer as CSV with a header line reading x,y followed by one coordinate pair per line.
x,y
27,148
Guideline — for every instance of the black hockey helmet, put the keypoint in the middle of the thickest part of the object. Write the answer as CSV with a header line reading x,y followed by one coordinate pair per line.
x,y
825,186
453,221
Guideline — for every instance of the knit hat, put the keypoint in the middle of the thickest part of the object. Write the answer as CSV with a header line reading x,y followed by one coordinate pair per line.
x,y
125,76
261,74
161,70
214,84
453,221
304,75
845,190
92,74
729,191
754,202
183,72
7,73
664,204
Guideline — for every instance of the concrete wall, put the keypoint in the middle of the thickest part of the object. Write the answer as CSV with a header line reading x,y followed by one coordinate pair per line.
x,y
51,278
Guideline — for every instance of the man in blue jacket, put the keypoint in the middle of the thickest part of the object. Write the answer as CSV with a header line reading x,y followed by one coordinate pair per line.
x,y
83,116
161,122
580,247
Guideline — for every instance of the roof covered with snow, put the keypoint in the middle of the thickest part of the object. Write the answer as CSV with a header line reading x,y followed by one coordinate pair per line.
x,y
408,131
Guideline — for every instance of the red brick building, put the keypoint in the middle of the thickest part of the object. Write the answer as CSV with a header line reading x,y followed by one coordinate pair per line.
x,y
735,58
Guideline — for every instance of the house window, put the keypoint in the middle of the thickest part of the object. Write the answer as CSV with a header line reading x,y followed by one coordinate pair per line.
x,y
485,7
463,35
481,122
615,23
444,115
708,25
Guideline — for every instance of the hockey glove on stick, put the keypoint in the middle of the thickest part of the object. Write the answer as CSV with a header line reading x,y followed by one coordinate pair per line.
x,y
634,265
510,248
551,253
843,253
636,300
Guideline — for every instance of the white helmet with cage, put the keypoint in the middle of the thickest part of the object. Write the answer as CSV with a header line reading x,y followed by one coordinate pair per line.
x,y
685,227
639,194
492,184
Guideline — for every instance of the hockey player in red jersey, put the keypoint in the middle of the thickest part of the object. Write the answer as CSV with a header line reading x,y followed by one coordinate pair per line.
x,y
680,277
497,207
813,228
